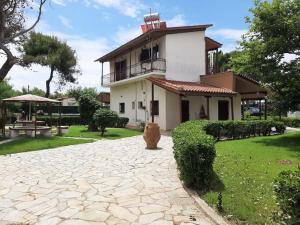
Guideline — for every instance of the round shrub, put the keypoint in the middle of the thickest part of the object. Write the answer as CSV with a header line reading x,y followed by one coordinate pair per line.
x,y
287,189
122,122
105,118
194,152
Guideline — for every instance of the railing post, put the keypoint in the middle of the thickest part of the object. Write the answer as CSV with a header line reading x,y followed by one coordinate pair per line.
x,y
102,74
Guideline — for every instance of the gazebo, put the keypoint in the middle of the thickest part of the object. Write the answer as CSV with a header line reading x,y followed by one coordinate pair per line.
x,y
31,100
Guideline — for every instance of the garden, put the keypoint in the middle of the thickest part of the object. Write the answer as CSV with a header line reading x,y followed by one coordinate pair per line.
x,y
252,176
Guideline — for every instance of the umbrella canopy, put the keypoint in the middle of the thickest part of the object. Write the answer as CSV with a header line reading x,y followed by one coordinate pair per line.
x,y
30,98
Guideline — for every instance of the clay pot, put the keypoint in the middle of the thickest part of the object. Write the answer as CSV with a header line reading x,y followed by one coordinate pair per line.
x,y
152,135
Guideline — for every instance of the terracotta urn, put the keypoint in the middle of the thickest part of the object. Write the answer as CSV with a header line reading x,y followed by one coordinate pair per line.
x,y
152,135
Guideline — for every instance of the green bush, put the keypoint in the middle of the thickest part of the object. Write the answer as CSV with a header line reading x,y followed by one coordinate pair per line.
x,y
88,105
122,122
194,152
65,120
290,122
242,129
287,189
105,118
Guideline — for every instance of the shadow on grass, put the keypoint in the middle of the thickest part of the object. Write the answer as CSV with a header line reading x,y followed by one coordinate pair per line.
x,y
216,185
291,142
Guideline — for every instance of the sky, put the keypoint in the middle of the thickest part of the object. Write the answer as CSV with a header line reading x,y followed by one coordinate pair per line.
x,y
95,27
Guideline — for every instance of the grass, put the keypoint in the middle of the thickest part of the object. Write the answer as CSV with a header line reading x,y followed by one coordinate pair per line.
x,y
111,133
39,143
246,169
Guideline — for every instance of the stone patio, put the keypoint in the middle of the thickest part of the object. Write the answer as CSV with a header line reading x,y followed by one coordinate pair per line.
x,y
105,182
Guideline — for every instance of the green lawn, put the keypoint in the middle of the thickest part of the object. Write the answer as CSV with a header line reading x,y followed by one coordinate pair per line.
x,y
39,143
246,169
111,133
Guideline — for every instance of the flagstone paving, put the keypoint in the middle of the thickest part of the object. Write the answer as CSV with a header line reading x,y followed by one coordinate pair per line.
x,y
105,182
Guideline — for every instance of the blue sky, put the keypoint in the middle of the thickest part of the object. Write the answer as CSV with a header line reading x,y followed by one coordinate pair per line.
x,y
94,27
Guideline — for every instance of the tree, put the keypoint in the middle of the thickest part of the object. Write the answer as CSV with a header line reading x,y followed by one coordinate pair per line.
x,y
105,118
87,107
13,30
272,37
224,60
78,91
6,90
49,51
34,91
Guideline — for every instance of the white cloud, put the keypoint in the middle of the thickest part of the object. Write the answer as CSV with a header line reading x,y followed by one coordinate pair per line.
x,y
59,2
178,20
66,22
130,8
125,34
87,51
231,34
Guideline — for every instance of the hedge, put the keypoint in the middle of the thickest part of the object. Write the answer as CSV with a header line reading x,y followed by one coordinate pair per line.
x,y
287,189
194,145
243,129
65,120
290,122
194,152
122,122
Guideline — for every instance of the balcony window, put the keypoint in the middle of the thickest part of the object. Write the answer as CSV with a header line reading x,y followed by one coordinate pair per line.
x,y
146,53
122,107
120,70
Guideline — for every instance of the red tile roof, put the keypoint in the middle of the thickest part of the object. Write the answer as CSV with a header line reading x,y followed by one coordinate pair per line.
x,y
181,87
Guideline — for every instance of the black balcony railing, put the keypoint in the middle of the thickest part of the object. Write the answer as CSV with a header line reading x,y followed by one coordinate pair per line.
x,y
141,68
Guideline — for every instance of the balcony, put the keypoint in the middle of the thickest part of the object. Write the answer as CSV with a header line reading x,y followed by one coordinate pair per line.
x,y
141,68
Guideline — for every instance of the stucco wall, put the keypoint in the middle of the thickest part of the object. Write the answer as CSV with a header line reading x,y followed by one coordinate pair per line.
x,y
213,106
139,92
185,56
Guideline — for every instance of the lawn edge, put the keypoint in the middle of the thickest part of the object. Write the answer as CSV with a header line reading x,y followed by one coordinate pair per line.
x,y
208,210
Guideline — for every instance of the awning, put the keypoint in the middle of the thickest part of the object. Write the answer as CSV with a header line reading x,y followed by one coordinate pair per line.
x,y
182,87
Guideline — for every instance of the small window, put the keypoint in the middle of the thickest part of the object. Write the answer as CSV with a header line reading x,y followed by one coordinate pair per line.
x,y
122,107
155,108
140,105
133,105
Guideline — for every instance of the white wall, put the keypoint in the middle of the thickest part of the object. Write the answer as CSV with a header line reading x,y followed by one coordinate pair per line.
x,y
213,106
185,56
136,92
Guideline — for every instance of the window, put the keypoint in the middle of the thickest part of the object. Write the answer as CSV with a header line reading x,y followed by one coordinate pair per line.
x,y
140,105
120,70
146,53
122,107
155,108
133,105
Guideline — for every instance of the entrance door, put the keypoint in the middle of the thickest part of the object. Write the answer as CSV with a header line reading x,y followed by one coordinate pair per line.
x,y
223,110
185,110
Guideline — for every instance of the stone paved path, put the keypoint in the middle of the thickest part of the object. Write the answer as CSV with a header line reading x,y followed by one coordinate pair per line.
x,y
105,182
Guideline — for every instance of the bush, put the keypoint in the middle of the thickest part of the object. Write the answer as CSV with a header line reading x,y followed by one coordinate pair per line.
x,y
87,107
65,120
194,152
242,129
122,122
290,122
105,118
287,189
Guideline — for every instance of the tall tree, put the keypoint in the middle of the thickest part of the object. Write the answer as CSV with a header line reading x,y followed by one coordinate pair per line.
x,y
270,51
48,51
13,30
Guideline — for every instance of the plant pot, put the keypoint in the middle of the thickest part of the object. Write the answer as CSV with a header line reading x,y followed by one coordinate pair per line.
x,y
152,135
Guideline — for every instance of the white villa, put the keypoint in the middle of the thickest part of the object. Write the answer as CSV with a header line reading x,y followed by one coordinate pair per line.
x,y
174,68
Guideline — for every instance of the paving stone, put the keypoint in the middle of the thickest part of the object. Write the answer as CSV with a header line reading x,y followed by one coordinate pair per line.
x,y
110,182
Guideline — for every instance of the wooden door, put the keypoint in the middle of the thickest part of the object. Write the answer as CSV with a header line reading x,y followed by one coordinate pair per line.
x,y
223,110
185,110
120,68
